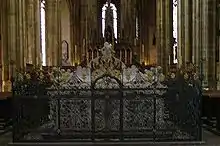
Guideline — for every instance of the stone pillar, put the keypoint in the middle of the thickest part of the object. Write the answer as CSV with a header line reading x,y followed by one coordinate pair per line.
x,y
128,20
31,46
218,46
159,35
83,18
37,26
71,44
196,42
53,46
11,31
204,27
168,35
92,21
205,42
20,34
212,70
30,33
184,32
164,32
4,40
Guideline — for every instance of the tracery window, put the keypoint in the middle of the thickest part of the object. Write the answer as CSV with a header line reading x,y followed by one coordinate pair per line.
x,y
175,3
43,40
114,10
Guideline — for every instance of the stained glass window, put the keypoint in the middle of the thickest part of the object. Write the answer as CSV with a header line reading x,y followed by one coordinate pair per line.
x,y
114,9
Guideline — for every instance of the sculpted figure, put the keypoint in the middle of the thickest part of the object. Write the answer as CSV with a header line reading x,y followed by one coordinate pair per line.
x,y
107,51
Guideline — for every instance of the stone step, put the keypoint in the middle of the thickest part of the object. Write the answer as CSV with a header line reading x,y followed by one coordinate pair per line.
x,y
108,143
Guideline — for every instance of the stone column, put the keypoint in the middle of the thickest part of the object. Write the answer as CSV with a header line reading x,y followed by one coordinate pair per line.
x,y
52,33
218,46
196,42
205,42
164,33
11,31
168,34
127,10
184,32
37,9
30,33
71,6
75,30
212,70
83,18
92,20
4,40
159,22
20,34
32,54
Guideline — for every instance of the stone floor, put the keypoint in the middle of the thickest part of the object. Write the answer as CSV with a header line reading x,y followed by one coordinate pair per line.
x,y
209,138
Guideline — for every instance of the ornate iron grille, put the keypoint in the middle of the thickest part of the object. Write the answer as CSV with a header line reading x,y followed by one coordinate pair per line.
x,y
149,114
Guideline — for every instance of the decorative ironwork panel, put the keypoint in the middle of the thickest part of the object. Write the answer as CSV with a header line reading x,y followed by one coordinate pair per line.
x,y
75,114
107,115
138,112
99,115
114,117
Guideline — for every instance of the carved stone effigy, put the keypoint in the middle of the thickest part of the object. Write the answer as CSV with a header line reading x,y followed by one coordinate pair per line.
x,y
107,72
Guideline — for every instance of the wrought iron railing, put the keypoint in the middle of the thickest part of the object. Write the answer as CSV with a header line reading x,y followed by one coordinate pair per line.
x,y
149,114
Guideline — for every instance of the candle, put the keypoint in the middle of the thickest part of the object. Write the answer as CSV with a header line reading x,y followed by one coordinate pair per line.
x,y
126,56
25,61
87,57
84,48
97,53
169,59
142,53
75,52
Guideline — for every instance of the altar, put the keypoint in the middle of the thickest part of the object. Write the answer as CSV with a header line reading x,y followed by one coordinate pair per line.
x,y
108,101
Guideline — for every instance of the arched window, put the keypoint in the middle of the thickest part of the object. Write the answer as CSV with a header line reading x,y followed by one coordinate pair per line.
x,y
175,3
43,40
114,9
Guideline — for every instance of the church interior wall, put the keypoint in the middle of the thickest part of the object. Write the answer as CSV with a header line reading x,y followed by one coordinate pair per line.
x,y
65,24
149,32
73,24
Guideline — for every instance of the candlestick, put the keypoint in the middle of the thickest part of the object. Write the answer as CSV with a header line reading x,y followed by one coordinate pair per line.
x,y
87,57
